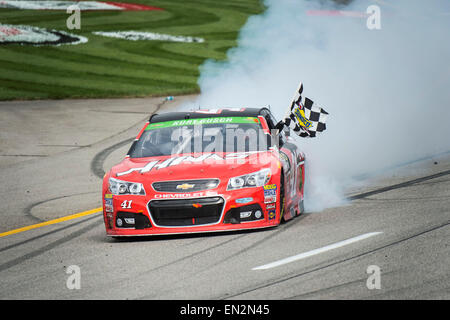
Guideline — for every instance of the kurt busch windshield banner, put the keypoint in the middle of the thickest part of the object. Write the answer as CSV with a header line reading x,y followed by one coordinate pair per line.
x,y
201,121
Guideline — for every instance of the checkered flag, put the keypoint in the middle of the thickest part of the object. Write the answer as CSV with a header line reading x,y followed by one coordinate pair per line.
x,y
305,118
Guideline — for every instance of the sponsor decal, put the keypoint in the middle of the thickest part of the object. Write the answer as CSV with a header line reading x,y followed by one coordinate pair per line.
x,y
270,190
109,208
109,219
83,5
185,186
201,121
29,35
184,195
272,214
244,200
270,199
301,118
270,206
147,36
174,161
109,203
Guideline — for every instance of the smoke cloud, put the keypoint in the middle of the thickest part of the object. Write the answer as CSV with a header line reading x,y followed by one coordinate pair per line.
x,y
387,90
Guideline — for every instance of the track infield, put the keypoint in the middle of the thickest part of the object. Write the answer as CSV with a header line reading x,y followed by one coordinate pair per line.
x,y
159,63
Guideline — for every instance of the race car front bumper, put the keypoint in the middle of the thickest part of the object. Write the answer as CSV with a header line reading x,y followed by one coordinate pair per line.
x,y
244,209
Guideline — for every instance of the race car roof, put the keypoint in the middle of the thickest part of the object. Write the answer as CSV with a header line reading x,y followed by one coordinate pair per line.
x,y
206,113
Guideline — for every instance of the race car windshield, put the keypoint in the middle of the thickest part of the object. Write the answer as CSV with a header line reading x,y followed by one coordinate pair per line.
x,y
222,134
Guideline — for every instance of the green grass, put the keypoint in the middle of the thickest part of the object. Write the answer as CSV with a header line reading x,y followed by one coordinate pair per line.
x,y
108,67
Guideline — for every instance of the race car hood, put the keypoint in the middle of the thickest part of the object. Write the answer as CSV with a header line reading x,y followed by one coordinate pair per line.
x,y
194,166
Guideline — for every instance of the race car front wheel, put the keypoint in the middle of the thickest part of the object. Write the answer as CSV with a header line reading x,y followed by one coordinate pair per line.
x,y
282,198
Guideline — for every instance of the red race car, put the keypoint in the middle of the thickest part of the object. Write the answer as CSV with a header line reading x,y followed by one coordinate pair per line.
x,y
203,171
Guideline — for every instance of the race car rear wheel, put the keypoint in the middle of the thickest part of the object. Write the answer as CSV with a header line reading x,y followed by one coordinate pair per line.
x,y
301,207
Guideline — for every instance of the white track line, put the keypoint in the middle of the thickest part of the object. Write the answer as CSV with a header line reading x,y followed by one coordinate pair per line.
x,y
316,251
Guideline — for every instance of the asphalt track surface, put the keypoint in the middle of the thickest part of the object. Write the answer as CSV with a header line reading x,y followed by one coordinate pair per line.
x,y
52,158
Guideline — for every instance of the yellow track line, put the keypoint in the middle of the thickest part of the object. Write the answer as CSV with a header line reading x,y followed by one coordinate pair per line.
x,y
46,223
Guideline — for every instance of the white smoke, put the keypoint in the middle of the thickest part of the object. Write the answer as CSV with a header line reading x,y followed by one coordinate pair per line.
x,y
387,90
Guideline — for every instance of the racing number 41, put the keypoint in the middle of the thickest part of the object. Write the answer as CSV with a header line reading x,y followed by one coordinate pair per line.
x,y
126,204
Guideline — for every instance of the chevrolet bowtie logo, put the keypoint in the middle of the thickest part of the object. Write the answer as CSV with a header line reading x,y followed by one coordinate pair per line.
x,y
185,186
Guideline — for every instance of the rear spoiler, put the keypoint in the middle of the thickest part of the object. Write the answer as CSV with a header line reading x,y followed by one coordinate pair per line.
x,y
150,119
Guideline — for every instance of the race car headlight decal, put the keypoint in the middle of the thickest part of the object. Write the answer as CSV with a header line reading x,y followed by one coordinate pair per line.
x,y
118,187
255,179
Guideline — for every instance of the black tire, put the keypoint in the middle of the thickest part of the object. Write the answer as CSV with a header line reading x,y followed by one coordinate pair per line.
x,y
302,208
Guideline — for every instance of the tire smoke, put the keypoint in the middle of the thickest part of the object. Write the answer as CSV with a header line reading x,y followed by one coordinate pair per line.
x,y
387,90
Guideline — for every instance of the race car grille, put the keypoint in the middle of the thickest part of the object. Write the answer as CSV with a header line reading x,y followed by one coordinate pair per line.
x,y
186,212
185,185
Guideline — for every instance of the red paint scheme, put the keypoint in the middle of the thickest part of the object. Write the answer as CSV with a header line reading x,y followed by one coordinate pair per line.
x,y
132,6
293,169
